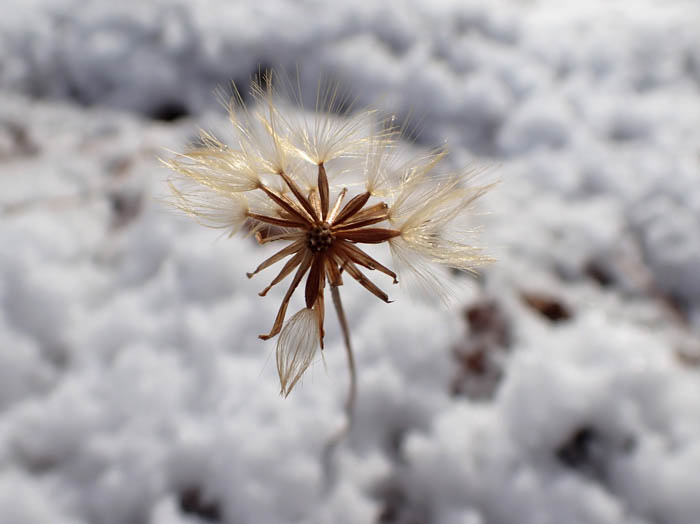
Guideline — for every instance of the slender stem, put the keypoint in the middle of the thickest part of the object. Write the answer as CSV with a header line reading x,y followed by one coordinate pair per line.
x,y
352,391
332,443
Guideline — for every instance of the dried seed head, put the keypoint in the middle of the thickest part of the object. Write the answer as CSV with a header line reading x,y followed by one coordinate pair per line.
x,y
288,177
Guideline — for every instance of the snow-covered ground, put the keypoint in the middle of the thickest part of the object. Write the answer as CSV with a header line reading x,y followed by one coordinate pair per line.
x,y
563,388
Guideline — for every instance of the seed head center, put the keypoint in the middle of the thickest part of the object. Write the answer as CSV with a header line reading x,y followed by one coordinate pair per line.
x,y
320,238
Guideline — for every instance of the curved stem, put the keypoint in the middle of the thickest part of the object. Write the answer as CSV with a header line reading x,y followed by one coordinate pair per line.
x,y
327,458
352,392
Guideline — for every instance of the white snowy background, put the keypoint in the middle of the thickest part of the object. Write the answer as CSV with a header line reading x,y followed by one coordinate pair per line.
x,y
564,386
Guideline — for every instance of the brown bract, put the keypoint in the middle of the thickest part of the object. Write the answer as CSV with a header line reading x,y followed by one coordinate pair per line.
x,y
323,244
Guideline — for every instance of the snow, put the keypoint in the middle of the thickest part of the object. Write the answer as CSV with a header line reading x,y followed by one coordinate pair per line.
x,y
563,387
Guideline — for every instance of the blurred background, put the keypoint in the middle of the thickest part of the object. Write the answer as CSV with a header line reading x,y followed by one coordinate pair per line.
x,y
562,388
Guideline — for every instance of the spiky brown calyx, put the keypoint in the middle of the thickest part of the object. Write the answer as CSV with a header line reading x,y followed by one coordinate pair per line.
x,y
327,242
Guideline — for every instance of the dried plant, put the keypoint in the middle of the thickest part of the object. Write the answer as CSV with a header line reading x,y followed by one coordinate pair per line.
x,y
288,177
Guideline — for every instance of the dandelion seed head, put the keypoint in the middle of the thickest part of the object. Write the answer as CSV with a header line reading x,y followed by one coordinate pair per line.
x,y
324,185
